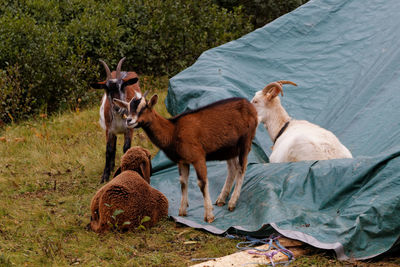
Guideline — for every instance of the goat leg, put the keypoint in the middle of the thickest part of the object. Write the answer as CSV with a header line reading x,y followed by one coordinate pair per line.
x,y
201,171
110,157
240,171
230,179
184,177
127,140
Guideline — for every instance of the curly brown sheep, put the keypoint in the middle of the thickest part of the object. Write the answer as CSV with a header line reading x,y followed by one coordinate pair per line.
x,y
128,198
133,159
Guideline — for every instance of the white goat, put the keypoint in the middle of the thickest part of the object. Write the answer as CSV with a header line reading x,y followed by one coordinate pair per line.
x,y
294,140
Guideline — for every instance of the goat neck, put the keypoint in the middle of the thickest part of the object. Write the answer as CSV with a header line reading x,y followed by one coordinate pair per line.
x,y
159,129
276,118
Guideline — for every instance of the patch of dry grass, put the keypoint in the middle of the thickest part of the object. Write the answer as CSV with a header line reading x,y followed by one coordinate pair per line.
x,y
49,170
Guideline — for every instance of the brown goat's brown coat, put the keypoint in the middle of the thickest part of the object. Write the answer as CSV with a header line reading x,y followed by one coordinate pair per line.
x,y
130,193
223,130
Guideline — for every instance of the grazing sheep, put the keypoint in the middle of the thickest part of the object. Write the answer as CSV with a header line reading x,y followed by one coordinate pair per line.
x,y
294,140
223,130
124,201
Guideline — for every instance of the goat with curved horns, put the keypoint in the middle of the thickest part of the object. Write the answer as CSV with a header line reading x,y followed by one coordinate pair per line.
x,y
223,130
123,86
294,140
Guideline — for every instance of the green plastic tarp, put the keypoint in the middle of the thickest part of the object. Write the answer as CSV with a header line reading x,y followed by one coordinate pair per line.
x,y
345,57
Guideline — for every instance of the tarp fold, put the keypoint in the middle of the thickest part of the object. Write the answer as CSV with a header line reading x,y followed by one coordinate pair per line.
x,y
344,56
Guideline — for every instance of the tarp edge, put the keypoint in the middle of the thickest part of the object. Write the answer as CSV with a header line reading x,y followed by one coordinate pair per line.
x,y
209,228
337,247
297,235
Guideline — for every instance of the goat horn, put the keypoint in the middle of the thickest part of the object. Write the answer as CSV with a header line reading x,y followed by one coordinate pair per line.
x,y
145,94
108,72
118,70
269,86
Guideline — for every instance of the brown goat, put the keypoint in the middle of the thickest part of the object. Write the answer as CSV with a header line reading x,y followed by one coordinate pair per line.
x,y
130,193
119,85
221,131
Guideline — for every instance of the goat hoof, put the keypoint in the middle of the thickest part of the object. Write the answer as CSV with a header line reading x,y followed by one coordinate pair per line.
x,y
209,219
104,179
231,208
88,227
220,203
182,213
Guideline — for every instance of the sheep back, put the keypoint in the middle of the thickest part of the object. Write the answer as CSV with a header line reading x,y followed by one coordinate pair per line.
x,y
130,193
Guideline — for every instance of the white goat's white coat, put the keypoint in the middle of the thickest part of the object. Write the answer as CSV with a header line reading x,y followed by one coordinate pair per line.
x,y
301,140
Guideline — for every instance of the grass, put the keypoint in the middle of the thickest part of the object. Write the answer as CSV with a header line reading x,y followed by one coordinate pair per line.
x,y
49,170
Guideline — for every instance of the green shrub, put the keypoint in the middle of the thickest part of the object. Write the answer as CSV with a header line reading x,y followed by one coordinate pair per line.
x,y
167,36
263,11
49,49
43,67
15,101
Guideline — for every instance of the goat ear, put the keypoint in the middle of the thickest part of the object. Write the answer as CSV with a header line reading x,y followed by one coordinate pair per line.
x,y
100,85
273,89
146,171
153,101
120,103
131,81
117,172
273,93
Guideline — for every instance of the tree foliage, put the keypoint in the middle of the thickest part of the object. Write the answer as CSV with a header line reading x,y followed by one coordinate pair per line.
x,y
262,11
49,49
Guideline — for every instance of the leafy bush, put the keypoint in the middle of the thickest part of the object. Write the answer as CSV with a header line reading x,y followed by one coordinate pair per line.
x,y
38,68
13,98
263,11
167,36
49,49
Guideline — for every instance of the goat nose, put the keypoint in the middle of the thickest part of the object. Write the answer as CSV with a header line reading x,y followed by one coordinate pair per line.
x,y
128,120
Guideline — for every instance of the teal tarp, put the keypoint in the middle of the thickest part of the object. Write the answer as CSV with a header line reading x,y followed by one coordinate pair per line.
x,y
345,57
